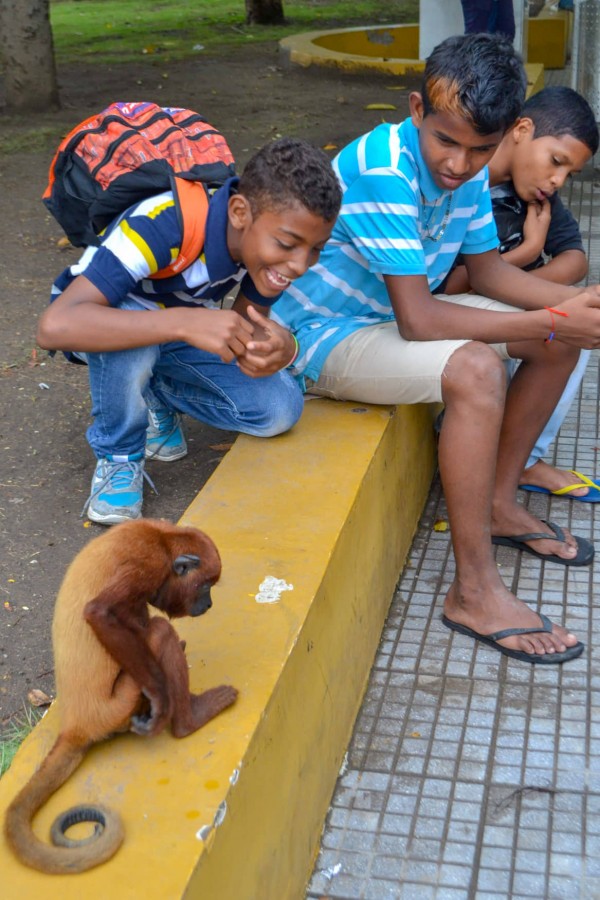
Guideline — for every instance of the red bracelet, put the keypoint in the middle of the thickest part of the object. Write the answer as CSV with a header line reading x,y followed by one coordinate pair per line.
x,y
559,312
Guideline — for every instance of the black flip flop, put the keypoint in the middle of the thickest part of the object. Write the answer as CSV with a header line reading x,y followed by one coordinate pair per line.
x,y
585,548
492,641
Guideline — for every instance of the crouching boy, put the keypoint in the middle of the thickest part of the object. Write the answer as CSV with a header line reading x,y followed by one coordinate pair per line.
x,y
158,348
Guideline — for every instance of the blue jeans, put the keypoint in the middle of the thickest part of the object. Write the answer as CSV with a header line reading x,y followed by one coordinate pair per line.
x,y
125,383
495,16
554,423
561,409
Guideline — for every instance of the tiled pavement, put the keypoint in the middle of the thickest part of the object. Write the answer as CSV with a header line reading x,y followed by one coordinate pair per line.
x,y
471,776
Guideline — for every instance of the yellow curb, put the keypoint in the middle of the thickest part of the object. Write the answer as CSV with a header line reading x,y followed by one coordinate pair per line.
x,y
386,49
236,810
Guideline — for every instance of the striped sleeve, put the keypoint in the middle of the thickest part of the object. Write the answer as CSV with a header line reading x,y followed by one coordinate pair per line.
x,y
481,234
380,217
143,241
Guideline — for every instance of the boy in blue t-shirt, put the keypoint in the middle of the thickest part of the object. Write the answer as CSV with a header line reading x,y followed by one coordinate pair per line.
x,y
158,348
539,234
372,328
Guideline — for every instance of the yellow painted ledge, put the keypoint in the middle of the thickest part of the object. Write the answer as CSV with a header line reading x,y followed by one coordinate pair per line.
x,y
235,811
389,50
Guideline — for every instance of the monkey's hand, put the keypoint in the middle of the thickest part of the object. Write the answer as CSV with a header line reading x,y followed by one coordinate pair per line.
x,y
153,717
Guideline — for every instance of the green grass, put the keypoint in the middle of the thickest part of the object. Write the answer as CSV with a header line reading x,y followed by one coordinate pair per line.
x,y
15,733
30,139
126,30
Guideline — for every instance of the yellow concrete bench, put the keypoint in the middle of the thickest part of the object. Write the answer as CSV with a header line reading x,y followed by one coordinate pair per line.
x,y
548,37
235,811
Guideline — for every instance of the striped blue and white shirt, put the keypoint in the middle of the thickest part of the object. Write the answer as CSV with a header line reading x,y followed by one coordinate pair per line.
x,y
394,220
146,238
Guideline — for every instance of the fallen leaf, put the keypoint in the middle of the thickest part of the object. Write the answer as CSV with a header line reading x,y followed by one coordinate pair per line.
x,y
380,106
330,147
440,525
220,446
63,243
38,698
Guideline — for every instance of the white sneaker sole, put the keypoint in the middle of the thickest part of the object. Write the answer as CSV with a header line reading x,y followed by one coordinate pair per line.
x,y
110,518
170,458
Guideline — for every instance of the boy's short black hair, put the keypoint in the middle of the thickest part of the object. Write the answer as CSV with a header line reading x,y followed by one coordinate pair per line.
x,y
291,172
559,110
480,77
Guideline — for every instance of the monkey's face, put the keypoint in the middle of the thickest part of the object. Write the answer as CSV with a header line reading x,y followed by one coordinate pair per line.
x,y
193,571
203,601
188,566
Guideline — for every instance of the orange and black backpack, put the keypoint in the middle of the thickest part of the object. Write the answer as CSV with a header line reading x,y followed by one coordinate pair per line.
x,y
127,153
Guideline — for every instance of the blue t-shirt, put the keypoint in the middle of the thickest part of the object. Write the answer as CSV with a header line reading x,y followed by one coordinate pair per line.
x,y
394,220
147,238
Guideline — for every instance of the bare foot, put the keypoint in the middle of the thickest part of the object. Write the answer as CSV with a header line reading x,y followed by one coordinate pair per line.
x,y
543,475
497,609
203,707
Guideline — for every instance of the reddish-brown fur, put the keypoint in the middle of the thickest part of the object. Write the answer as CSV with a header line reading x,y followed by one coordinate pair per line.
x,y
118,669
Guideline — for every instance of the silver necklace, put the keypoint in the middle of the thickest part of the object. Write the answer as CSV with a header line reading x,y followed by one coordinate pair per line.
x,y
427,232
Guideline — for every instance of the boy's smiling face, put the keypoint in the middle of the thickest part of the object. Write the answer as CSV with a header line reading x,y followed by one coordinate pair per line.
x,y
451,148
540,166
276,246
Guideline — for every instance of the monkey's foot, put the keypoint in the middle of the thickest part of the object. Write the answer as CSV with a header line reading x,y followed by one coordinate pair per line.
x,y
205,707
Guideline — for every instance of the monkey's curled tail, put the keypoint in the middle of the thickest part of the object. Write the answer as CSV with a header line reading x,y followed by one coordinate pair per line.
x,y
64,856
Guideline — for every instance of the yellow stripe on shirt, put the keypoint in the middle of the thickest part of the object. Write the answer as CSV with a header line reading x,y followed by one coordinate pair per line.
x,y
140,244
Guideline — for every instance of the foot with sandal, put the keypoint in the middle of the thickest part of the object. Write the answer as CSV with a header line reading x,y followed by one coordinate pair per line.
x,y
543,478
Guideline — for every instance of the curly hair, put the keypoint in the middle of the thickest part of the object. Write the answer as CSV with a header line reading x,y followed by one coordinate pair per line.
x,y
291,172
480,77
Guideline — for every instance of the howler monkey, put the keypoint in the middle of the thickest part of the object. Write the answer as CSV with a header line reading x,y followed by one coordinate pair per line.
x,y
117,669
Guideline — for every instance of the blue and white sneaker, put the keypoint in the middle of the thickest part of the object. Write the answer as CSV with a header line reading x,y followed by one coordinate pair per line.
x,y
165,439
117,490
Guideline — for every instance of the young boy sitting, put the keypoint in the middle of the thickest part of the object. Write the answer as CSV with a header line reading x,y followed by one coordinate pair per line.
x,y
555,134
371,327
165,345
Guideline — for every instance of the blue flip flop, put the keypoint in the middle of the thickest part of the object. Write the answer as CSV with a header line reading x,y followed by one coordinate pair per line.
x,y
592,496
585,548
536,658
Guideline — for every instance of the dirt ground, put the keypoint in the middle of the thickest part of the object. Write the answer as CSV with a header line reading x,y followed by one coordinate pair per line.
x,y
45,462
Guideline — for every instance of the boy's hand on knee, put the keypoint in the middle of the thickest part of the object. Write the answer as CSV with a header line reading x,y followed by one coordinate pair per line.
x,y
270,349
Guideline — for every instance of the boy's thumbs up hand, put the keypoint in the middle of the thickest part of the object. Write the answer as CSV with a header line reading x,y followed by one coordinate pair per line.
x,y
270,349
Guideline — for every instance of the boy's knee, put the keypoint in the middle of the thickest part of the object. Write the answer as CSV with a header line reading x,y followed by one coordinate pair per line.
x,y
474,369
283,407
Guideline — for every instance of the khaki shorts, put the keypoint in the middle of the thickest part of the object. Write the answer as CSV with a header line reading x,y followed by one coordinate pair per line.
x,y
376,365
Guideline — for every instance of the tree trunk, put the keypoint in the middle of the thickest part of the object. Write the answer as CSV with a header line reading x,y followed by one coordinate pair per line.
x,y
28,56
264,12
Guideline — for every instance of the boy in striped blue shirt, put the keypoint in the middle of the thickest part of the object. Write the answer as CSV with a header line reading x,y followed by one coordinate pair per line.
x,y
372,328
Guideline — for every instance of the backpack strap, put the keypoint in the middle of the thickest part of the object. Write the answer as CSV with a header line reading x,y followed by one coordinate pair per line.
x,y
193,206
